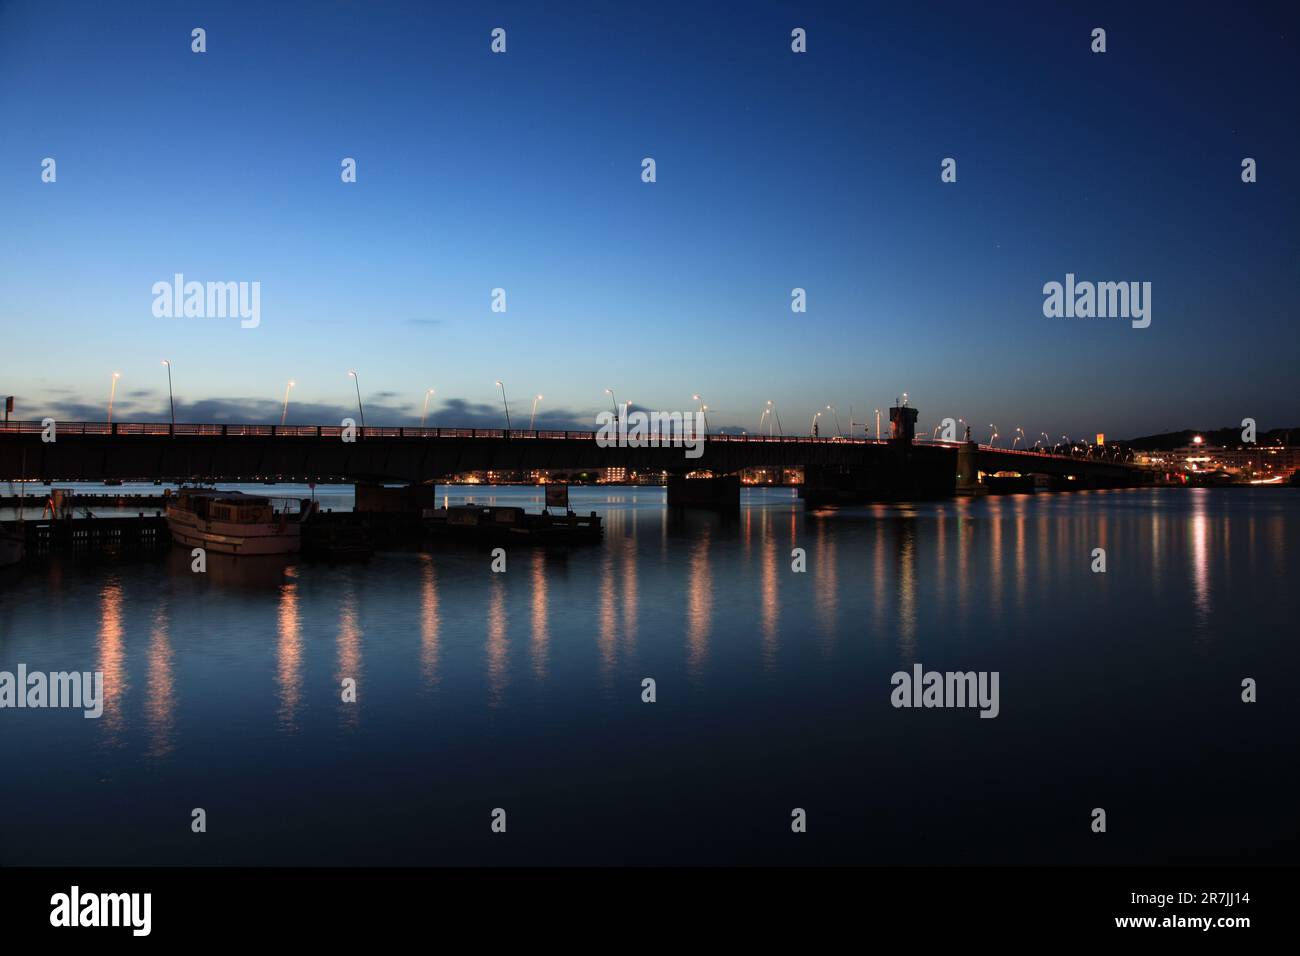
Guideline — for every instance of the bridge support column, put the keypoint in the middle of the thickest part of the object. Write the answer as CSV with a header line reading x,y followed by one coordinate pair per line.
x,y
721,492
968,479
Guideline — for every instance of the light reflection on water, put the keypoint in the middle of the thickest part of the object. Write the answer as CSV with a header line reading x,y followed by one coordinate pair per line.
x,y
772,685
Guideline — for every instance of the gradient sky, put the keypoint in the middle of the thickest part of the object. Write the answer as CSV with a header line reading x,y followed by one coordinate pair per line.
x,y
775,170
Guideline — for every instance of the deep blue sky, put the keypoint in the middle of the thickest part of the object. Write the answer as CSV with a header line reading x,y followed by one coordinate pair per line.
x,y
775,170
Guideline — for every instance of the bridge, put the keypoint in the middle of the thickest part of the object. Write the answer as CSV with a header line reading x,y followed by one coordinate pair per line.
x,y
835,468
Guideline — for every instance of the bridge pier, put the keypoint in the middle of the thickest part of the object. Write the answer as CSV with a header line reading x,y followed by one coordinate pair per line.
x,y
721,492
968,476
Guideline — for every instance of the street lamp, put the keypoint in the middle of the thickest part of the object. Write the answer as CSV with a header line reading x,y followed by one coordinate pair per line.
x,y
812,429
504,403
1020,436
425,414
831,409
993,434
111,392
360,411
534,414
777,416
284,412
613,401
170,399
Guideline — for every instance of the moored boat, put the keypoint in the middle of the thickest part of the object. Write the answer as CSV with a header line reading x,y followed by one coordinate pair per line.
x,y
231,522
498,523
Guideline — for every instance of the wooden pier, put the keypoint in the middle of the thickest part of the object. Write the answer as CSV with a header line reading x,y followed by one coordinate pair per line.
x,y
138,534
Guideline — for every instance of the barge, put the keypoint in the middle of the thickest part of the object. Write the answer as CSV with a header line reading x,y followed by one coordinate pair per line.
x,y
496,523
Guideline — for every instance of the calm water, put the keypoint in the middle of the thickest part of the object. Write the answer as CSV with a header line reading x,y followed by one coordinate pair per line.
x,y
523,691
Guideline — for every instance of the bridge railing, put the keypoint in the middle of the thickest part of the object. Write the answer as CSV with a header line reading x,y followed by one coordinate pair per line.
x,y
1046,454
188,430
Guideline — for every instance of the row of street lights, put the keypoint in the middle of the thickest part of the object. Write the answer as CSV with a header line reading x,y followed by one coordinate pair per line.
x,y
770,414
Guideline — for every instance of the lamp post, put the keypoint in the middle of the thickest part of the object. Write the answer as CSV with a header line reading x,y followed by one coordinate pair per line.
x,y
284,412
112,391
777,416
357,382
504,403
993,434
613,401
425,414
812,429
170,398
533,416
831,409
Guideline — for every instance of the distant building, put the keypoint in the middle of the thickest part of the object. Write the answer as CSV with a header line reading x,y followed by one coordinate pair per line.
x,y
1258,462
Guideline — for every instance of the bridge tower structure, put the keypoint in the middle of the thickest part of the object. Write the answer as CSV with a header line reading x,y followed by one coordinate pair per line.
x,y
902,424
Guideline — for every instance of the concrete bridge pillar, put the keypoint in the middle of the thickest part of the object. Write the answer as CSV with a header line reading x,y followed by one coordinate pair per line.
x,y
968,482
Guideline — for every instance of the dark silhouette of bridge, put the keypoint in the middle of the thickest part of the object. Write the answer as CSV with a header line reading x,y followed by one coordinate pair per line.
x,y
835,468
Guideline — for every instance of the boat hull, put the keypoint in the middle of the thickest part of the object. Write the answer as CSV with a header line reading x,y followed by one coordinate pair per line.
x,y
228,537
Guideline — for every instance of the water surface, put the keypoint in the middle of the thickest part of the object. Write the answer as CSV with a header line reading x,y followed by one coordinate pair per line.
x,y
523,691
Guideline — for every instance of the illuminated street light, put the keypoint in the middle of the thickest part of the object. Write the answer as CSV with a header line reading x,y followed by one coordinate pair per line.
x,y
504,403
533,416
170,398
285,411
777,416
361,412
112,392
425,414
